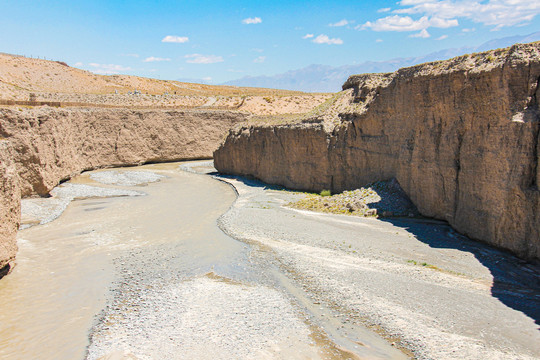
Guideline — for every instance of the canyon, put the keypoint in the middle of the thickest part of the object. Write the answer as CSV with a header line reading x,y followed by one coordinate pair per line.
x,y
57,121
43,146
129,254
461,137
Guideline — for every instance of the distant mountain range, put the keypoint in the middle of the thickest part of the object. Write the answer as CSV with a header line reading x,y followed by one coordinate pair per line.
x,y
325,78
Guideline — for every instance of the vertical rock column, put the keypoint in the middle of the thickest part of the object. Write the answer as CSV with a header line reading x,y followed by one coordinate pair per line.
x,y
10,207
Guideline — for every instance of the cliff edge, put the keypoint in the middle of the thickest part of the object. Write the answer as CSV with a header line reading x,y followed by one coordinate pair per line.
x,y
461,137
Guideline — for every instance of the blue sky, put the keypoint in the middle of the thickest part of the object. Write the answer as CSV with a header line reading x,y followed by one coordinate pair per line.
x,y
225,40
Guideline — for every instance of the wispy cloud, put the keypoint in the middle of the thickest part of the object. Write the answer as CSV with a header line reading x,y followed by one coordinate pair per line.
x,y
175,39
446,13
154,59
259,59
406,23
308,36
254,20
383,10
379,40
257,50
109,69
424,34
340,23
442,37
78,64
324,39
131,55
468,30
497,13
203,59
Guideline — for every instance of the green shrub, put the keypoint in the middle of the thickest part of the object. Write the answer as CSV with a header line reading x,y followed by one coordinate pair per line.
x,y
326,193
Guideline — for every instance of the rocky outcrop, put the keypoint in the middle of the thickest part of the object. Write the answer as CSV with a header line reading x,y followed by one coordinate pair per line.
x,y
10,208
461,137
42,146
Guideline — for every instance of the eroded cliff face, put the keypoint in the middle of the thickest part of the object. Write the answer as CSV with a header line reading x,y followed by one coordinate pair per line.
x,y
55,144
461,137
40,147
10,208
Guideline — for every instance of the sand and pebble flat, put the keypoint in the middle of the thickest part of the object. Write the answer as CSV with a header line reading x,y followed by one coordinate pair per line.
x,y
200,268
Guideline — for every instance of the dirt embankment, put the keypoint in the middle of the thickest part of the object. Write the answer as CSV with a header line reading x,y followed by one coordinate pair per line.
x,y
461,136
40,147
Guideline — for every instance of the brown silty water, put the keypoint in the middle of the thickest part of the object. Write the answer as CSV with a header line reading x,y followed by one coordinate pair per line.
x,y
148,276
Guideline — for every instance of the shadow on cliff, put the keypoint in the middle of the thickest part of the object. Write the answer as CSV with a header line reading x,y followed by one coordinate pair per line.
x,y
516,283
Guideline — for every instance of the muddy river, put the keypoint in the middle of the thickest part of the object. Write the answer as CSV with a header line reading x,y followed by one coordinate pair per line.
x,y
136,267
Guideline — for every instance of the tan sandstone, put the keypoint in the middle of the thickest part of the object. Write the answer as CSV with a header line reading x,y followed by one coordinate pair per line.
x,y
461,136
42,146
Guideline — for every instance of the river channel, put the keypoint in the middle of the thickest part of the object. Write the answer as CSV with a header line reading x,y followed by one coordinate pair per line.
x,y
137,268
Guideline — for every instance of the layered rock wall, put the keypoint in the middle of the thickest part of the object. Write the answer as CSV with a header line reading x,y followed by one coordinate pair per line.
x,y
42,146
461,137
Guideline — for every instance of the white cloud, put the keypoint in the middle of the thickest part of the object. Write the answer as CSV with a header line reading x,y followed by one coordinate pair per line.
x,y
207,78
445,14
255,20
131,55
259,59
498,13
203,59
308,36
78,64
324,39
257,50
442,37
383,10
468,30
422,34
175,39
406,23
108,69
340,23
379,40
154,59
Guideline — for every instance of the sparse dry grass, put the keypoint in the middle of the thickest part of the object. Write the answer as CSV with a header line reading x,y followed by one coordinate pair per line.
x,y
55,81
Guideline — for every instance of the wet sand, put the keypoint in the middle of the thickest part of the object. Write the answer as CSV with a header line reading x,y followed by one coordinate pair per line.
x,y
153,276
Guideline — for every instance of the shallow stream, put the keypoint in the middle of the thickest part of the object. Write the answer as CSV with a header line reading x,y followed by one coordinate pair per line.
x,y
142,271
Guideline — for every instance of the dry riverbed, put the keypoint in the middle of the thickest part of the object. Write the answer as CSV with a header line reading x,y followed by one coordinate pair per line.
x,y
428,290
131,264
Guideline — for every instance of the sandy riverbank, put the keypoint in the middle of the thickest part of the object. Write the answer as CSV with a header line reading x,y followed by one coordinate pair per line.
x,y
430,291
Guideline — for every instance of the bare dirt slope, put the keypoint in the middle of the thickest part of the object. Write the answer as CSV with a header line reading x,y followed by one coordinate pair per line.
x,y
23,78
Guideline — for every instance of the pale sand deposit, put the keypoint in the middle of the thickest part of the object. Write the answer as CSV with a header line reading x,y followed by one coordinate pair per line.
x,y
417,282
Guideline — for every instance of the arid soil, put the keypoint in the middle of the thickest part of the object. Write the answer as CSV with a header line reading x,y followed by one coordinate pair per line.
x,y
462,138
24,78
